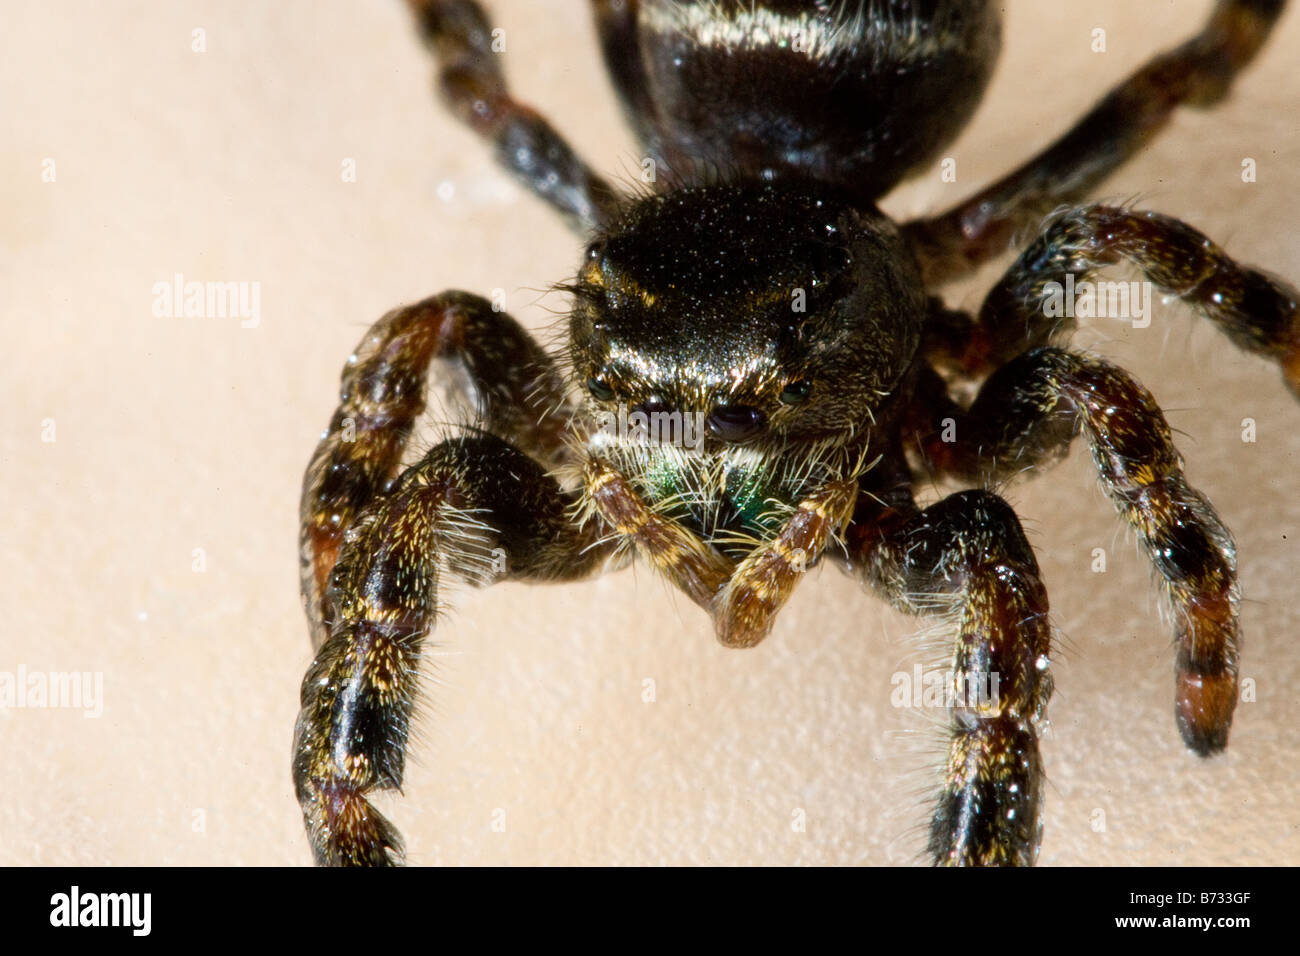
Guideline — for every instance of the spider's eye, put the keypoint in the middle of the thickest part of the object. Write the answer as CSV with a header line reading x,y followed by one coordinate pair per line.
x,y
600,391
795,392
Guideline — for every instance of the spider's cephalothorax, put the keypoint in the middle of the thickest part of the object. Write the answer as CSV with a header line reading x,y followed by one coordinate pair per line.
x,y
762,327
751,348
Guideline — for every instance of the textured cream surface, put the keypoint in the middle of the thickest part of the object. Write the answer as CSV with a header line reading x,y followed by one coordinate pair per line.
x,y
178,434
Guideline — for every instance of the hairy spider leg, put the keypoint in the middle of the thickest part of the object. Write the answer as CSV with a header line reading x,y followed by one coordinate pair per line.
x,y
473,85
517,387
1198,73
967,556
1259,313
1028,412
616,25
470,499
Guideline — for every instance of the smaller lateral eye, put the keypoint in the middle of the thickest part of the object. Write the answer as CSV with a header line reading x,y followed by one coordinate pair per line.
x,y
795,392
600,390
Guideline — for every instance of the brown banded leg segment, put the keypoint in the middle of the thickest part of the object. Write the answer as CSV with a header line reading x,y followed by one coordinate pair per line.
x,y
1028,412
969,549
746,608
519,394
460,36
691,564
1259,313
1198,73
473,507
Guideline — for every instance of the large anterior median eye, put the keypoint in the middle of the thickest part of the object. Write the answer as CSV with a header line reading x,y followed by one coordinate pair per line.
x,y
600,391
736,423
795,392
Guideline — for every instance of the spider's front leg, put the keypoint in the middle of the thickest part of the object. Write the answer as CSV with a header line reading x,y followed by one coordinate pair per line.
x,y
475,507
373,548
1028,412
518,390
967,555
743,598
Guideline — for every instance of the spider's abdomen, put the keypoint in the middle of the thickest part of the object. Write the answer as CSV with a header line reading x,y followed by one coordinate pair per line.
x,y
856,92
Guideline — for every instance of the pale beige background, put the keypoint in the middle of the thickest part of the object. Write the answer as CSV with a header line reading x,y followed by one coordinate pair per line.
x,y
177,434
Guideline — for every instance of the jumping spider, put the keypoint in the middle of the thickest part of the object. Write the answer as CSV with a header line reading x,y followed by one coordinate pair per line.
x,y
758,292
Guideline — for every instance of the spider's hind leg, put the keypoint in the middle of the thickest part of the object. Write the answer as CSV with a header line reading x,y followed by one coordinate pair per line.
x,y
461,37
970,548
1199,72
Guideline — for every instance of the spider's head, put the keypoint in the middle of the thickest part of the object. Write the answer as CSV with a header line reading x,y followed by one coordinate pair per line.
x,y
773,312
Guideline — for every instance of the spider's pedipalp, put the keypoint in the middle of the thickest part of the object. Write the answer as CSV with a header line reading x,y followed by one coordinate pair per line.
x,y
1198,73
690,563
474,507
746,608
